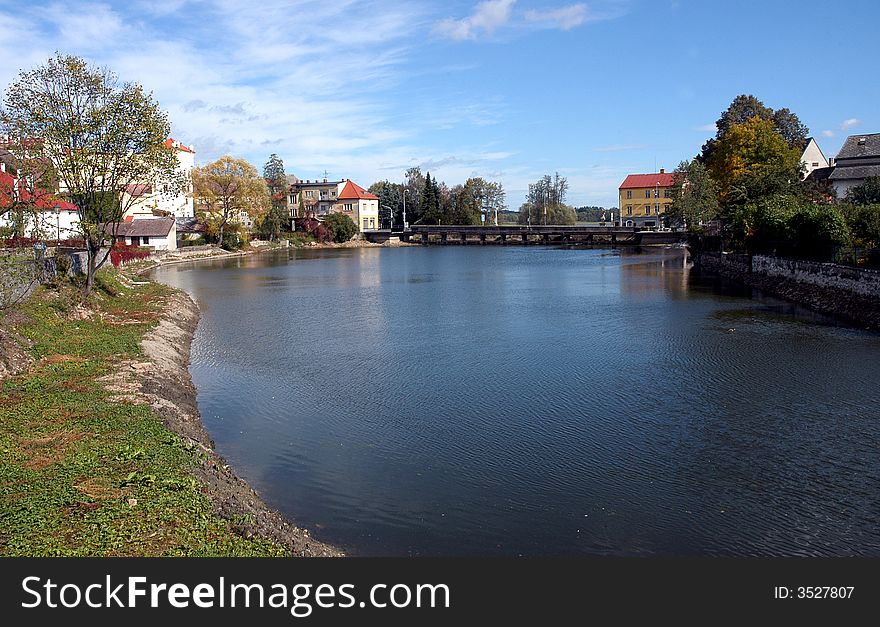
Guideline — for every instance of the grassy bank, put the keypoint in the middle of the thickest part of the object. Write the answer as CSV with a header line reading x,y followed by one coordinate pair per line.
x,y
82,472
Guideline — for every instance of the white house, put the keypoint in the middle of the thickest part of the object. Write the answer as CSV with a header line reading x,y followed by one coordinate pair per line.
x,y
150,198
53,219
160,233
812,157
858,159
358,204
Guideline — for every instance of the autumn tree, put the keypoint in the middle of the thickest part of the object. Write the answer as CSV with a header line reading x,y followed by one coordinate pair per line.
x,y
278,215
227,187
744,108
694,196
97,136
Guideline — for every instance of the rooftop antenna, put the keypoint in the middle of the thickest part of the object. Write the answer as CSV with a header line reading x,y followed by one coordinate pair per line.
x,y
325,175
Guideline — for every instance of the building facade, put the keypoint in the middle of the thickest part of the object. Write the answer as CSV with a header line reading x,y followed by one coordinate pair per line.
x,y
812,158
321,198
858,159
149,199
644,198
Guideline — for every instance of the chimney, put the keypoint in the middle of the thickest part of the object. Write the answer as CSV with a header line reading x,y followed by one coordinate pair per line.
x,y
662,170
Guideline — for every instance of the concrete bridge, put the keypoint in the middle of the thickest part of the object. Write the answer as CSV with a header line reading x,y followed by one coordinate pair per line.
x,y
516,234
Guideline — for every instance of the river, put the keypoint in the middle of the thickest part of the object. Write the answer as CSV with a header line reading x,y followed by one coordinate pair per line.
x,y
502,401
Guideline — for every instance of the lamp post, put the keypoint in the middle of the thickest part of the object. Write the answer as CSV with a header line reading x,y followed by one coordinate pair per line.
x,y
405,191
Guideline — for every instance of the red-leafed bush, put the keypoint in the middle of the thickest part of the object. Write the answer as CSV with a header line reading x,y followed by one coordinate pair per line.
x,y
121,254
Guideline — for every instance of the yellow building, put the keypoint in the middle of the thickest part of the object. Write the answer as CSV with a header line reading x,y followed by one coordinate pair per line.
x,y
644,198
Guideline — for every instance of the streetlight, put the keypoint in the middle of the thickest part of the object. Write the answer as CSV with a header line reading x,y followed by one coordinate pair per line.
x,y
405,191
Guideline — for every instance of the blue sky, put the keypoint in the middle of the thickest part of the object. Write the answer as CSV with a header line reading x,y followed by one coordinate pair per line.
x,y
505,89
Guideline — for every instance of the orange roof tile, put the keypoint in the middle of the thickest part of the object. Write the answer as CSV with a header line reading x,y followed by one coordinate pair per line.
x,y
169,143
353,191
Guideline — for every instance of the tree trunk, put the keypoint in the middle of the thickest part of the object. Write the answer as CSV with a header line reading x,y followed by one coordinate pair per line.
x,y
220,239
90,267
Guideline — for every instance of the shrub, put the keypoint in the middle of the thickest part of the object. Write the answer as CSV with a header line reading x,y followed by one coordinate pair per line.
x,y
341,227
121,254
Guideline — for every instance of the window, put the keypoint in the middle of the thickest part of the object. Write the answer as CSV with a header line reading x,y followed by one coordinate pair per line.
x,y
656,192
333,193
310,194
647,210
323,195
667,193
365,223
629,210
348,206
657,209
372,223
647,193
629,193
146,241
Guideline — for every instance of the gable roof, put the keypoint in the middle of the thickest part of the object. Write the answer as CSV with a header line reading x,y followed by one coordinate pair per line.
x,y
353,191
857,146
147,227
663,179
807,142
854,172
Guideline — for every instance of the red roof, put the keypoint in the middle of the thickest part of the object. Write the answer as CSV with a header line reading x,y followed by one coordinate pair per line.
x,y
169,143
663,179
353,191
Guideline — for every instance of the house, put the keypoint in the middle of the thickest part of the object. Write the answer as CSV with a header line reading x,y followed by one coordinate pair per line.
x,y
325,197
858,159
189,228
160,233
644,198
812,157
152,198
360,205
51,218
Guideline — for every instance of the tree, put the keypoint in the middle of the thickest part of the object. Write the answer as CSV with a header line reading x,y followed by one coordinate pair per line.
x,y
414,184
744,108
751,160
341,226
430,210
545,203
390,202
100,138
868,193
278,214
694,196
227,187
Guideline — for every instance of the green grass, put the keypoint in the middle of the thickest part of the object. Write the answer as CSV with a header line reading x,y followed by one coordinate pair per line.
x,y
81,474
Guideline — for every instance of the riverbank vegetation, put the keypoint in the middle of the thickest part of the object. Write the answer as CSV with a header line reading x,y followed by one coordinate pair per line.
x,y
83,471
746,189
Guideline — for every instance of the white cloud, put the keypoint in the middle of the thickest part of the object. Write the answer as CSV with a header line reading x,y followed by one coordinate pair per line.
x,y
707,128
564,18
828,133
850,123
487,17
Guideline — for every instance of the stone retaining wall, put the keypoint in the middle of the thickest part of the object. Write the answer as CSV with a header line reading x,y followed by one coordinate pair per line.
x,y
852,294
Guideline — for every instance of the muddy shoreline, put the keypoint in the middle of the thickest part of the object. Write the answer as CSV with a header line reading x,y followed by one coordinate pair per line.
x,y
165,383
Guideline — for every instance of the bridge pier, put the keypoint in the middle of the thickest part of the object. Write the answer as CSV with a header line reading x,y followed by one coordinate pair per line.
x,y
443,238
566,239
546,238
463,237
614,239
483,239
503,239
525,238
424,238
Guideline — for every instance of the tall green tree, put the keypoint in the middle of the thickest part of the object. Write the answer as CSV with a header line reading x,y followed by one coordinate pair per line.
x,y
227,187
694,197
278,214
430,209
100,136
390,202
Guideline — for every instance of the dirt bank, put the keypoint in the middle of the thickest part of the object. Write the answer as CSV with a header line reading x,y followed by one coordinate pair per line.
x,y
162,380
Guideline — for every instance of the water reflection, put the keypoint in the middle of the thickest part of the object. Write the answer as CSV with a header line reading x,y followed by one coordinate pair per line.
x,y
504,401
